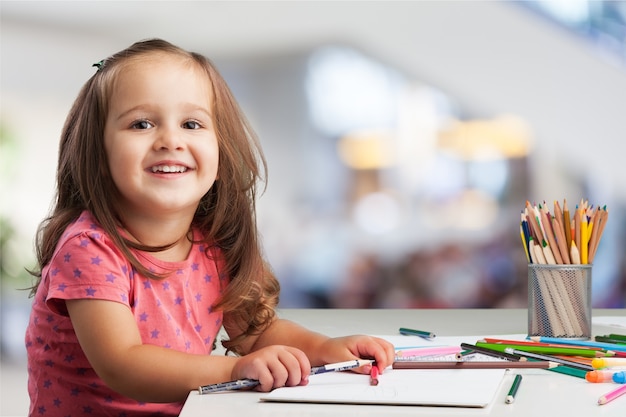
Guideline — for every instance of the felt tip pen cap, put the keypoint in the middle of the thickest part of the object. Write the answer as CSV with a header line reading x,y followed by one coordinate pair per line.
x,y
599,376
598,363
619,377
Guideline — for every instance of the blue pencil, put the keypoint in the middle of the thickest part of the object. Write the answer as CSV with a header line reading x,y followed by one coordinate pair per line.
x,y
588,343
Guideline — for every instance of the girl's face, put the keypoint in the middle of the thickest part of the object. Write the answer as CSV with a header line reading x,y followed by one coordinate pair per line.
x,y
159,136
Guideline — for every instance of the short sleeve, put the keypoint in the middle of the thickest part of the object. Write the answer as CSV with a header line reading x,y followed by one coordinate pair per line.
x,y
88,266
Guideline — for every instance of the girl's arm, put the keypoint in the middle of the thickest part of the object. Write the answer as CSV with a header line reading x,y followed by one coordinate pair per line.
x,y
108,334
321,349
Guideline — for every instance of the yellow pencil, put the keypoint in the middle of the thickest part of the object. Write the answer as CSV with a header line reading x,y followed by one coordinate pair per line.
x,y
584,239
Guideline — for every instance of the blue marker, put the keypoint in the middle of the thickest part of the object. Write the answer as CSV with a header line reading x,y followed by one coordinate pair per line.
x,y
620,377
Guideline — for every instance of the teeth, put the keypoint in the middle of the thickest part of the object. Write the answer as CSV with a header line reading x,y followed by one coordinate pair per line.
x,y
169,168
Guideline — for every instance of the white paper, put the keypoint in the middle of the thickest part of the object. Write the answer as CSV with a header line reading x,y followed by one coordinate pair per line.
x,y
426,387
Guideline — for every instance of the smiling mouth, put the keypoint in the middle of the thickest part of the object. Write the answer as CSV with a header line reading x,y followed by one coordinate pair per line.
x,y
168,169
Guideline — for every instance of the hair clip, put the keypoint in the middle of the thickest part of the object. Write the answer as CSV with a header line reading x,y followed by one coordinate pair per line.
x,y
99,64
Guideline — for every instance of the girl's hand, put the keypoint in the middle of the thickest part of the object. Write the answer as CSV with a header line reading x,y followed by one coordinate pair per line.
x,y
346,348
274,366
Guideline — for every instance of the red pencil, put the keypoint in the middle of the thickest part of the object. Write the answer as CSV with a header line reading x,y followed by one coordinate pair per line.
x,y
374,375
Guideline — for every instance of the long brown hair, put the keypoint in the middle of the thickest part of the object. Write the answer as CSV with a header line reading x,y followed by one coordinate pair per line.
x,y
226,215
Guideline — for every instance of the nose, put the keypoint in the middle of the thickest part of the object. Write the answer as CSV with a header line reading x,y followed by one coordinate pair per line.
x,y
168,138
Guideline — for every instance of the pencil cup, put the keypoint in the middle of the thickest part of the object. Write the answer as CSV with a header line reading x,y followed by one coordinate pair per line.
x,y
559,301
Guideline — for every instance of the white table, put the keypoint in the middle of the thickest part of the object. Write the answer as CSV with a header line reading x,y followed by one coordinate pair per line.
x,y
543,393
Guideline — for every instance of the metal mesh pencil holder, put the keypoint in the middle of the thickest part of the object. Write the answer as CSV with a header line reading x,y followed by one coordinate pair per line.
x,y
559,301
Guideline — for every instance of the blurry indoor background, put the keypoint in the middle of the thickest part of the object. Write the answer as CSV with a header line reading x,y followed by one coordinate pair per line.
x,y
403,138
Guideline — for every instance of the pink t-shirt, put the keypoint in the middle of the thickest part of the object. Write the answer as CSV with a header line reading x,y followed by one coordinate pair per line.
x,y
175,312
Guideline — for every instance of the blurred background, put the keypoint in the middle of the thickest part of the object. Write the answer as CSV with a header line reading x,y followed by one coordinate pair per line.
x,y
403,138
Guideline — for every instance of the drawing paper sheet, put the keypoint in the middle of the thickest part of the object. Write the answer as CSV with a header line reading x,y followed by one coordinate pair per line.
x,y
425,387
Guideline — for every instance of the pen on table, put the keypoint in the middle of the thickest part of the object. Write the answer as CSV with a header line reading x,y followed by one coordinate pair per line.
x,y
550,358
374,375
413,332
599,363
249,383
611,395
600,376
619,377
340,366
473,364
228,386
510,397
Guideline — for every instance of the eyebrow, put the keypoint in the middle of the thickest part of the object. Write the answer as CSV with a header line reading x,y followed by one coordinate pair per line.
x,y
189,107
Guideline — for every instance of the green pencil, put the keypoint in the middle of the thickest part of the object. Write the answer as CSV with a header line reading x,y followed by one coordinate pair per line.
x,y
568,370
547,350
413,332
510,397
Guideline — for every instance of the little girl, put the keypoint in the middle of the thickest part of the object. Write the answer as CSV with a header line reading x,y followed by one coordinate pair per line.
x,y
152,247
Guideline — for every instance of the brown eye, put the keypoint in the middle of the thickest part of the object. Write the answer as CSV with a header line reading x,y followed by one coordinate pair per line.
x,y
141,125
191,124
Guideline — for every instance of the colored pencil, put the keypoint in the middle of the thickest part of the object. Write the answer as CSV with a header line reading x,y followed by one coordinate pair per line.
x,y
611,395
528,342
404,354
474,364
566,370
487,350
510,397
413,332
547,350
585,343
571,238
567,225
551,359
